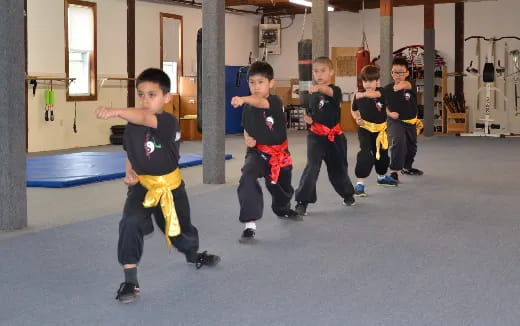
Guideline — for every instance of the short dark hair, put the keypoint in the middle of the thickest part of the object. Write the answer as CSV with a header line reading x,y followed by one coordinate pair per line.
x,y
370,73
400,61
261,68
157,76
324,61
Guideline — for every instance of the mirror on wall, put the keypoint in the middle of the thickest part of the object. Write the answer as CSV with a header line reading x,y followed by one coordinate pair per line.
x,y
171,48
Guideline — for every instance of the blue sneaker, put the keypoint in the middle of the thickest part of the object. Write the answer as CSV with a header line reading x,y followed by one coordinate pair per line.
x,y
360,190
387,181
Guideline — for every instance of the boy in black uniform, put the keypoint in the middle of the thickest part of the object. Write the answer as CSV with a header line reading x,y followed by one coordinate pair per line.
x,y
369,112
325,140
151,141
403,124
267,153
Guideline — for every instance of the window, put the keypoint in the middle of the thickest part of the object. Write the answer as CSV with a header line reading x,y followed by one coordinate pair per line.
x,y
170,68
80,50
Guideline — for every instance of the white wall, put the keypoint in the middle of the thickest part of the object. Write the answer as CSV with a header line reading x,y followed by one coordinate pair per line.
x,y
489,18
46,57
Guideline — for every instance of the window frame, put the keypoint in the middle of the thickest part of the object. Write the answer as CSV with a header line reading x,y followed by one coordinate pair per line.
x,y
93,96
180,64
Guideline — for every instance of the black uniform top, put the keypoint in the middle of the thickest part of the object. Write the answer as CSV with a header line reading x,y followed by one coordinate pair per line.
x,y
403,102
326,109
371,109
266,126
153,151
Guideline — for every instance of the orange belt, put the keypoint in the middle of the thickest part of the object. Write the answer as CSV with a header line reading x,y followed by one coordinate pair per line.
x,y
322,130
280,158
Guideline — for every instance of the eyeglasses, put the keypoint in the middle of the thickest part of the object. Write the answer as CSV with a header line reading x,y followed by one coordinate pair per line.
x,y
398,73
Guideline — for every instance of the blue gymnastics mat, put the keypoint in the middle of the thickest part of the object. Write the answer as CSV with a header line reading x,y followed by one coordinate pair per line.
x,y
69,170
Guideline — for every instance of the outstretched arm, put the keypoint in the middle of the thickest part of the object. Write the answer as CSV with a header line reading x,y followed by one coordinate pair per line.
x,y
324,89
132,115
254,101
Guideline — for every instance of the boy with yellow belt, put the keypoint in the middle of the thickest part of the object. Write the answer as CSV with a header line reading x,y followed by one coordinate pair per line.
x,y
369,112
156,188
403,124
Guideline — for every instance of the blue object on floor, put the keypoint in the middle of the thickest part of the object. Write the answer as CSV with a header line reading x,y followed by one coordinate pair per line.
x,y
68,170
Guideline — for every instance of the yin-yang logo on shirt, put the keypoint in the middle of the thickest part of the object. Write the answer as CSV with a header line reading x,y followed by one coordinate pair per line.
x,y
407,96
269,122
379,105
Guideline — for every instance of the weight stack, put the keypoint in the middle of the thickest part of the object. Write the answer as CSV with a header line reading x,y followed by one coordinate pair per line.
x,y
304,71
117,134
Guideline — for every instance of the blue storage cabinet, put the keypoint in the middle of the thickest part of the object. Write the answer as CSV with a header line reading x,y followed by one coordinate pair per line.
x,y
234,116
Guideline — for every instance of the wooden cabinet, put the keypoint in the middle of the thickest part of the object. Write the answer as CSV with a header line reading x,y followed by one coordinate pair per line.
x,y
346,120
173,106
189,129
188,106
188,86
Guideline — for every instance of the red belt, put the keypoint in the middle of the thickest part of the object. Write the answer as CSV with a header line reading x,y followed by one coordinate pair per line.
x,y
322,130
279,158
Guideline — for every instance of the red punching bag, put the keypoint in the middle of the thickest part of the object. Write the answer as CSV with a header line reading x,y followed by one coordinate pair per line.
x,y
362,59
363,55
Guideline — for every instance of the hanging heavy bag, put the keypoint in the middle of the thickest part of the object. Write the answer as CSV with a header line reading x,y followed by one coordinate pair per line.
x,y
362,60
304,71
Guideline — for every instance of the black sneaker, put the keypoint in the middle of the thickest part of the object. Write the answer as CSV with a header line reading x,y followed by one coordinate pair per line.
x,y
127,292
301,209
412,171
395,176
205,259
291,215
349,201
247,236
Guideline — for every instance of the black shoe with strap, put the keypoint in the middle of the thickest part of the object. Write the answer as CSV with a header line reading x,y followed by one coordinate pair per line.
x,y
205,259
301,209
412,171
395,176
127,292
247,236
291,215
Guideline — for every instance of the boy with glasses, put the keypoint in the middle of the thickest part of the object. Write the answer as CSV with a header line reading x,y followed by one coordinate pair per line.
x,y
403,124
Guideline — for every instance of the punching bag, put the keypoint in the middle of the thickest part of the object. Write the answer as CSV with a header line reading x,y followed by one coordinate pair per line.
x,y
199,80
304,71
362,59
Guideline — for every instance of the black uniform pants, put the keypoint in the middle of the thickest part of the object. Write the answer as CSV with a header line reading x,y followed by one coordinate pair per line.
x,y
137,222
403,139
319,149
249,191
366,157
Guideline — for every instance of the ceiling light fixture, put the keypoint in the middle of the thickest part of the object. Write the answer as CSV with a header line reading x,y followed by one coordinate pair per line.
x,y
307,4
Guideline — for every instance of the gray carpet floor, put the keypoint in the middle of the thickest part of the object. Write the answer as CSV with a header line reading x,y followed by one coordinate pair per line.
x,y
441,249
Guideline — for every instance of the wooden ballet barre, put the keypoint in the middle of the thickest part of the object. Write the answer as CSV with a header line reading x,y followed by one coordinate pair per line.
x,y
33,80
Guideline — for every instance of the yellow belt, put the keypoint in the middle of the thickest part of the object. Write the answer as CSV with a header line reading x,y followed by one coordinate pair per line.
x,y
382,137
417,122
160,190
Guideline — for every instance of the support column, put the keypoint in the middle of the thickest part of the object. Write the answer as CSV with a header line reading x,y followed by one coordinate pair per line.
x,y
387,41
13,196
213,99
320,28
459,48
130,50
429,60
